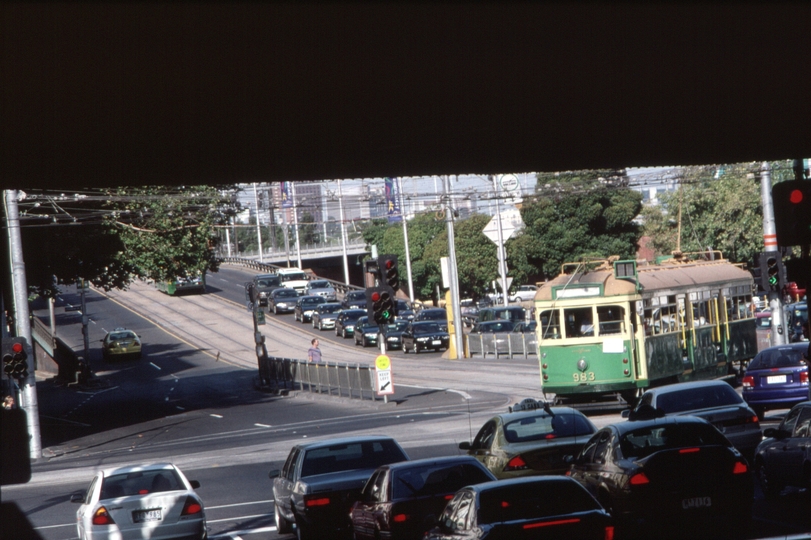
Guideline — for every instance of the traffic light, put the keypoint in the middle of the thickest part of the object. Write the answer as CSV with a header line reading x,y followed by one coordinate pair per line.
x,y
772,271
792,212
757,273
380,304
389,271
15,359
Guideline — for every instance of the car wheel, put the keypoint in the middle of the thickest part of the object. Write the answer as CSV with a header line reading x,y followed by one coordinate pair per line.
x,y
771,489
282,525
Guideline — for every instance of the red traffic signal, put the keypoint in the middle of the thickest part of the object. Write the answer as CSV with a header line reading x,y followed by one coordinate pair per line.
x,y
15,359
792,212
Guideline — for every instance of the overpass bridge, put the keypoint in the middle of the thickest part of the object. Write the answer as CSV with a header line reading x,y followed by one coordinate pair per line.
x,y
309,253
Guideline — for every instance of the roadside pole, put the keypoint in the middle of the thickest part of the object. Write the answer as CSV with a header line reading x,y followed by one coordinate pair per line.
x,y
770,245
22,321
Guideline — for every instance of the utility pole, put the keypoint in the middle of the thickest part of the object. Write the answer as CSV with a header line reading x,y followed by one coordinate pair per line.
x,y
343,231
456,308
258,227
22,321
405,241
501,251
295,221
770,244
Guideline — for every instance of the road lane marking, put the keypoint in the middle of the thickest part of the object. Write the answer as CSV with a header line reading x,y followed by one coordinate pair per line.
x,y
234,535
262,425
238,504
240,517
216,415
154,366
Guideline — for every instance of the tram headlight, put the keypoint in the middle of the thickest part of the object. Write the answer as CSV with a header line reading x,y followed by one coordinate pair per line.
x,y
582,365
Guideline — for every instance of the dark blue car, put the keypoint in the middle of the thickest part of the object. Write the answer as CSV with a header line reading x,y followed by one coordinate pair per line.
x,y
777,378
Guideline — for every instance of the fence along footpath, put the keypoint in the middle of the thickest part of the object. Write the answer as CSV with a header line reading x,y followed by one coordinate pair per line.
x,y
337,379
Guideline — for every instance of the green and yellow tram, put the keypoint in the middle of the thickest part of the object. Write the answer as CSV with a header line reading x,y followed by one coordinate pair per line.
x,y
183,285
611,326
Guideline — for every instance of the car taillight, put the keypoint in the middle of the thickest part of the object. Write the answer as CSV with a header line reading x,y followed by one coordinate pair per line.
x,y
516,464
639,479
752,419
740,468
191,507
321,501
400,518
102,517
689,450
803,377
748,382
552,523
609,533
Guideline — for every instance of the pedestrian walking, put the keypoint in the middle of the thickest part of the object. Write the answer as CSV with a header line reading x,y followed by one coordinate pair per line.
x,y
314,353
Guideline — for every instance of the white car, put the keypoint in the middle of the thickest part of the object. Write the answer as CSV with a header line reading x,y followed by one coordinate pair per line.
x,y
525,293
140,502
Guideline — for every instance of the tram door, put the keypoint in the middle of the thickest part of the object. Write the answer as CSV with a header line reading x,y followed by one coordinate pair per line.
x,y
704,333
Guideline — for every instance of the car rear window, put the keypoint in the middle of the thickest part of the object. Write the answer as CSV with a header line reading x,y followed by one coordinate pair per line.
x,y
645,441
778,358
117,336
140,483
544,426
703,397
433,479
534,500
286,292
350,456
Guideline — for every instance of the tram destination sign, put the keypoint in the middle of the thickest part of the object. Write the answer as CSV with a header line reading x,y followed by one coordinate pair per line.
x,y
577,292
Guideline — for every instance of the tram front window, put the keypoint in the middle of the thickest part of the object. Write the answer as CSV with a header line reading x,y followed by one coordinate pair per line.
x,y
610,318
550,327
579,322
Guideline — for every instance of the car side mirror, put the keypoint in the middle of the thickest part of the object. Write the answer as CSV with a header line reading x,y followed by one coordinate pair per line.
x,y
194,484
275,473
77,497
465,445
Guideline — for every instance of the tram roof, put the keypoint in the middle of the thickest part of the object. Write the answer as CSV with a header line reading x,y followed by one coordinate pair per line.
x,y
669,276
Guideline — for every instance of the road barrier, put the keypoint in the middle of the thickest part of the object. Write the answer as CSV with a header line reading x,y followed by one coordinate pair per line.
x,y
353,381
339,286
501,344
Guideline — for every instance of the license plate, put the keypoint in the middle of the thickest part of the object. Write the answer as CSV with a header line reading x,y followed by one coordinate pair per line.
x,y
696,502
436,342
141,516
775,379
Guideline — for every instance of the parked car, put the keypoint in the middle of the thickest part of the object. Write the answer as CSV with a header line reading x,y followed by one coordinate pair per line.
x,y
354,300
321,287
121,343
263,285
422,335
524,293
394,334
140,501
777,378
431,314
365,332
715,401
305,305
345,323
531,439
320,480
660,475
325,314
550,507
402,500
282,300
784,457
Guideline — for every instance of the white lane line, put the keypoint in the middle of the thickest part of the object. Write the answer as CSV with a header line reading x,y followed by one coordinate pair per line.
x,y
238,504
55,526
216,415
262,425
231,534
154,366
240,517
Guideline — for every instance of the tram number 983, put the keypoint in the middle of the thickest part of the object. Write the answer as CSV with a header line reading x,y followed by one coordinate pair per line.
x,y
583,377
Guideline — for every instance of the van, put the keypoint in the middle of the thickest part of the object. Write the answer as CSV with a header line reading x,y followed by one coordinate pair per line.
x,y
294,278
515,314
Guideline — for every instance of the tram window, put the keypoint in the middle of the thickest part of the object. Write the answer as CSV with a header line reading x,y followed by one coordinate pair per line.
x,y
701,313
579,322
610,318
550,326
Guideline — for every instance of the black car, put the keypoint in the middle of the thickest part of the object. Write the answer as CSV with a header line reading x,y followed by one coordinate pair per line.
x,y
282,300
354,299
548,507
365,332
345,323
426,335
401,500
664,473
432,314
261,286
394,334
784,457
305,306
404,310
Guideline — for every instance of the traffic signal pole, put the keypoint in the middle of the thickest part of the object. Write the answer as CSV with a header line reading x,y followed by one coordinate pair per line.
x,y
778,336
22,321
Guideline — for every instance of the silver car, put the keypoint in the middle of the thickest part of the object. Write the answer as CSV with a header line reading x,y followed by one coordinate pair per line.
x,y
321,287
325,314
140,501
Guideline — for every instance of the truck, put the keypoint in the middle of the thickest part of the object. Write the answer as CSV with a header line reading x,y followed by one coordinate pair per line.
x,y
294,278
314,491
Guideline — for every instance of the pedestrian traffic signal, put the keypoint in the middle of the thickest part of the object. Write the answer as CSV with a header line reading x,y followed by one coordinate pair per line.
x,y
15,359
380,304
792,212
389,271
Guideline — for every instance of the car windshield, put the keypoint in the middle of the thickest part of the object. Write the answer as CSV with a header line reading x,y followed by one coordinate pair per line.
x,y
546,427
703,397
433,314
398,326
777,358
534,500
329,308
356,295
285,293
117,336
319,285
140,483
268,282
354,315
495,327
312,301
435,479
294,276
645,441
428,328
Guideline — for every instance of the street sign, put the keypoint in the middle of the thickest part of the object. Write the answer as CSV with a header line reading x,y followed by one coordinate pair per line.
x,y
510,223
510,189
385,384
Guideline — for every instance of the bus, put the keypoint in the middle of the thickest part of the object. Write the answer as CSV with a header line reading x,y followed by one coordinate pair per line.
x,y
613,327
183,285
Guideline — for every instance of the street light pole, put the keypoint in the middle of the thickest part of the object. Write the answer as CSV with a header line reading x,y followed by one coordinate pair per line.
x,y
501,252
295,221
456,308
258,227
343,231
405,241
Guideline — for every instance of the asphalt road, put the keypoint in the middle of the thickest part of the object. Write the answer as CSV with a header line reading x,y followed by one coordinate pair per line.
x,y
191,401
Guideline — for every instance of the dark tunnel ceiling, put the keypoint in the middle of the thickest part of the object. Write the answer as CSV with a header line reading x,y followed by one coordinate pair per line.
x,y
180,93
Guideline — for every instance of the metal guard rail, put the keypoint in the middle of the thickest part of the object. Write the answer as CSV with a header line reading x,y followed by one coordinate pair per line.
x,y
338,379
501,344
339,286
